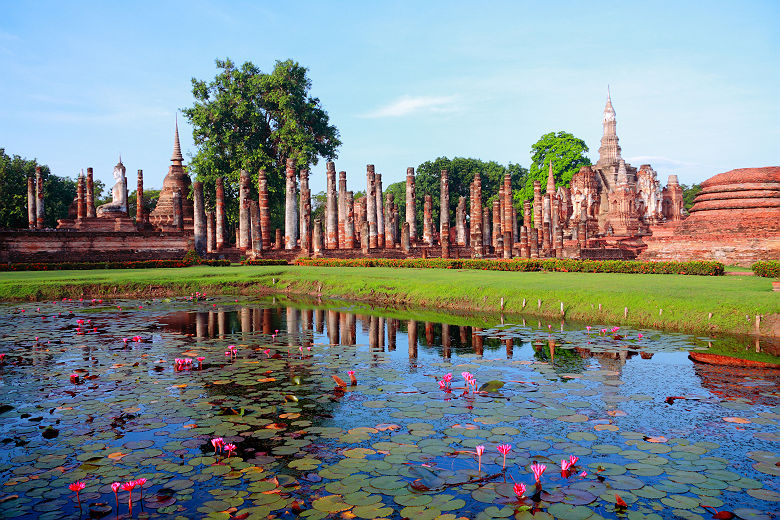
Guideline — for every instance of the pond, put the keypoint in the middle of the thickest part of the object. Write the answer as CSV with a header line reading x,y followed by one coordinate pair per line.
x,y
92,392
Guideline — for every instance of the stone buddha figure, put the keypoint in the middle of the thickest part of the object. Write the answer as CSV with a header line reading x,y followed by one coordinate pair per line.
x,y
118,205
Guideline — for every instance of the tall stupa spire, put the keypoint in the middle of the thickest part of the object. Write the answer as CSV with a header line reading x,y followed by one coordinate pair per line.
x,y
609,152
550,180
177,157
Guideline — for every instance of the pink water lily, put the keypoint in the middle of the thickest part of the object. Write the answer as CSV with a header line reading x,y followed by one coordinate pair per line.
x,y
77,487
639,336
588,328
352,378
503,449
200,362
447,378
537,470
230,448
115,487
480,450
573,460
519,490
218,443
128,486
140,483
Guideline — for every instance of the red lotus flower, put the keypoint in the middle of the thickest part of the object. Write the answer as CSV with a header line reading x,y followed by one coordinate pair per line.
x,y
77,487
503,449
537,470
519,490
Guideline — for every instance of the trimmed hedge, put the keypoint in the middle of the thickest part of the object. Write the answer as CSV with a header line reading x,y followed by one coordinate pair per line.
x,y
264,261
562,265
768,268
134,264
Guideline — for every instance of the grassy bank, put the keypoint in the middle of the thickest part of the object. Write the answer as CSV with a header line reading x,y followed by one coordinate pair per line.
x,y
669,302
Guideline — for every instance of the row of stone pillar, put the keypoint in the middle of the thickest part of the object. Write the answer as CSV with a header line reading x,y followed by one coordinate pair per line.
x,y
35,205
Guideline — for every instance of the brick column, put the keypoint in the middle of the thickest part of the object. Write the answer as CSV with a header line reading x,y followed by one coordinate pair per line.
x,y
91,193
508,211
39,208
349,220
460,221
389,225
331,208
244,236
546,244
445,240
219,227
304,195
32,214
81,203
263,207
211,245
538,205
497,222
278,238
487,239
290,216
559,243
371,205
140,211
410,210
523,242
254,226
317,237
428,221
444,201
534,243
342,208
405,240
527,213
380,214
199,217
178,221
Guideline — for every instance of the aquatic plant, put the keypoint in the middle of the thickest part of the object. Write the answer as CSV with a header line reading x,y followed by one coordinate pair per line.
x,y
504,449
77,487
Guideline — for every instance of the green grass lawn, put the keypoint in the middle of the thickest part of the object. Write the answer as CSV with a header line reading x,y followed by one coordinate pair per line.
x,y
661,301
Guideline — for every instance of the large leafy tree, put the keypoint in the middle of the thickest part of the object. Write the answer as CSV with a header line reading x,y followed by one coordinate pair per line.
x,y
567,154
247,119
461,172
689,194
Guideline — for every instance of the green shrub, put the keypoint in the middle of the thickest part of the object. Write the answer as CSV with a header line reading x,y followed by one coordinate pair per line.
x,y
768,268
264,261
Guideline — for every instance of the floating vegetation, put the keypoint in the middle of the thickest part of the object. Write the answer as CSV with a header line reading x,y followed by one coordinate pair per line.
x,y
206,408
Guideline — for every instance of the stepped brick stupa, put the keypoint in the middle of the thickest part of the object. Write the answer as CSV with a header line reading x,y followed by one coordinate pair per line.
x,y
735,219
176,180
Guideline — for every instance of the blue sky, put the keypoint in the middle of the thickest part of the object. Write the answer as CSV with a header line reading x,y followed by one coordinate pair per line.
x,y
696,85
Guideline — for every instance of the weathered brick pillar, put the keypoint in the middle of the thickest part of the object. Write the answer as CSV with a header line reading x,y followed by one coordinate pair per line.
x,y
523,242
211,245
410,211
534,243
303,178
478,228
371,205
32,214
306,239
349,220
254,226
219,228
515,231
365,240
342,208
331,207
380,214
500,247
178,221
264,208
395,228
91,192
140,211
538,205
555,214
487,240
444,201
81,203
508,212
40,214
317,237
527,213
559,243
199,217
546,239
278,238
405,240
428,221
290,214
244,236
460,221
496,222
445,240
388,213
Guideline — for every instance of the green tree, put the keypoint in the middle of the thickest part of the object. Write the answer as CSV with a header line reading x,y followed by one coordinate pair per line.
x,y
150,201
567,154
247,119
689,194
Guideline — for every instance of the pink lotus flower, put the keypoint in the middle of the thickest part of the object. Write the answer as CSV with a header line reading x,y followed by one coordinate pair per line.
x,y
200,362
447,378
443,386
352,378
218,443
503,449
519,490
588,328
267,352
480,450
583,474
639,336
565,465
230,448
140,483
77,487
115,487
615,329
573,460
537,470
128,486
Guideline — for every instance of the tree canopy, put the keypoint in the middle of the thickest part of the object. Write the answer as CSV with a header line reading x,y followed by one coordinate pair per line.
x,y
461,172
689,194
247,119
567,154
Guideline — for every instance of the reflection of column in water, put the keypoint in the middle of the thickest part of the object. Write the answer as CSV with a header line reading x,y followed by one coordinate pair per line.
x,y
292,325
551,344
381,334
268,321
411,331
221,324
365,321
257,320
428,334
343,327
306,315
464,334
445,341
246,321
392,328
333,327
212,323
201,324
508,343
477,341
351,330
373,334
319,320
562,322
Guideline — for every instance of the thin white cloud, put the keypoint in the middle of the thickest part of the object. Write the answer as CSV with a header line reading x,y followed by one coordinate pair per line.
x,y
408,105
659,160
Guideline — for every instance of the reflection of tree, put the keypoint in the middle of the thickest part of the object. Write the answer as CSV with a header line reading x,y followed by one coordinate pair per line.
x,y
562,358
